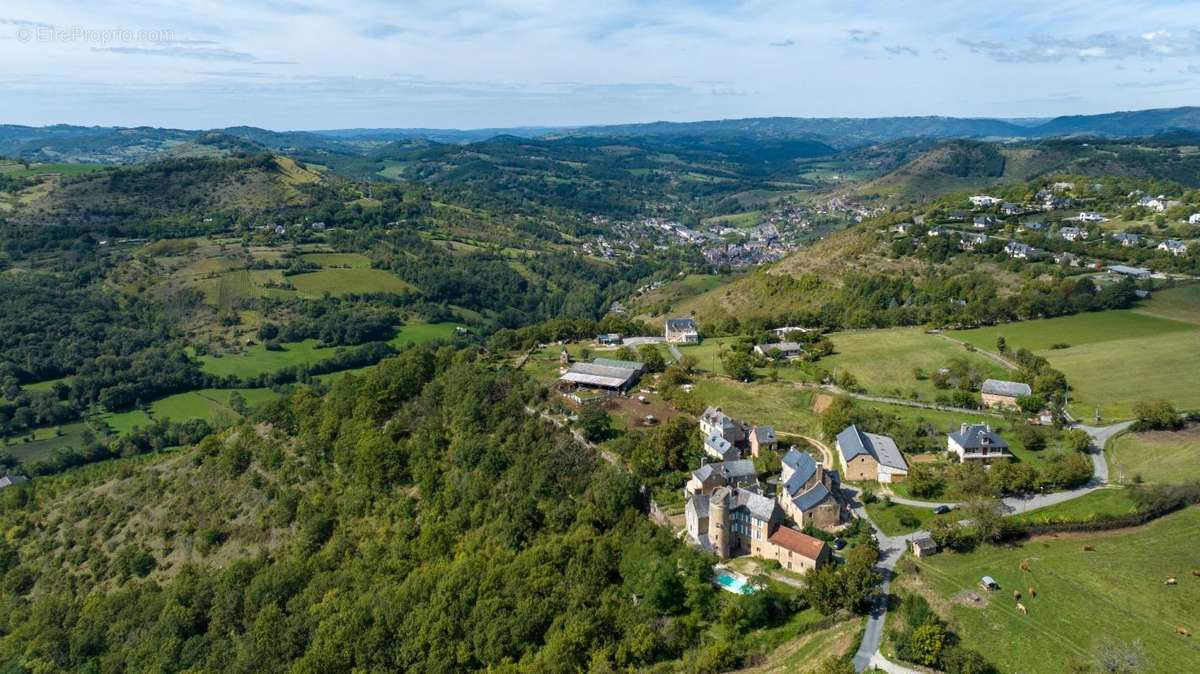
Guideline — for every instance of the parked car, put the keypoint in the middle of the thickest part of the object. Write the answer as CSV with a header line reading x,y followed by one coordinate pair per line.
x,y
942,510
839,543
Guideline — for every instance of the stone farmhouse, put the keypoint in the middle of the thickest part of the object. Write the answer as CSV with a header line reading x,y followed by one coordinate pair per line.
x,y
867,456
810,494
1000,393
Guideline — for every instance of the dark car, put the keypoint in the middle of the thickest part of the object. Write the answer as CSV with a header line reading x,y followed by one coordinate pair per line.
x,y
942,510
839,543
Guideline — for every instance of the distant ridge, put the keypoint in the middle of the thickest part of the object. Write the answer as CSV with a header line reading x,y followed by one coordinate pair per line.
x,y
120,144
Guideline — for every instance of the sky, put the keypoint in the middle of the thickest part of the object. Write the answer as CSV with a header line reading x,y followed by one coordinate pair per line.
x,y
324,64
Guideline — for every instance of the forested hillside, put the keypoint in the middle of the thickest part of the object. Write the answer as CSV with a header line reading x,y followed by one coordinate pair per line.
x,y
415,520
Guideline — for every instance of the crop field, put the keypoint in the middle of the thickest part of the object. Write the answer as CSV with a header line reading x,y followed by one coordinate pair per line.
x,y
348,281
1117,591
883,360
1169,457
1114,358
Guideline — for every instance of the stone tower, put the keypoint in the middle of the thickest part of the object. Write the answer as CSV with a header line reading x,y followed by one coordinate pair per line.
x,y
719,533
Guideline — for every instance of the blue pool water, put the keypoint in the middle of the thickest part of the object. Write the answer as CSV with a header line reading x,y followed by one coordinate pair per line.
x,y
733,583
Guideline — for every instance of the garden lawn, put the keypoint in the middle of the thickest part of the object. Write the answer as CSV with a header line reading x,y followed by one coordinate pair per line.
x,y
419,333
1118,591
888,517
349,281
1157,456
707,353
883,360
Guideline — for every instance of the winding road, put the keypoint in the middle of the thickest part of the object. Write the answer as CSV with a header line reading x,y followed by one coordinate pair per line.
x,y
892,547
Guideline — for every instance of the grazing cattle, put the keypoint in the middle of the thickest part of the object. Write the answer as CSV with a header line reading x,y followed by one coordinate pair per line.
x,y
1025,566
1033,592
1016,595
1021,608
1089,548
1196,572
1171,581
1183,631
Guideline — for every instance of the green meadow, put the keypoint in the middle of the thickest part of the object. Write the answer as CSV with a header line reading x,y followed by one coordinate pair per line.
x,y
883,361
1160,457
349,281
1116,591
1113,359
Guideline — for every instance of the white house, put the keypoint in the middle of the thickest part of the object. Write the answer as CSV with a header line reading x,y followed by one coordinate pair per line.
x,y
977,442
984,201
681,331
1174,247
1018,250
1091,216
1072,233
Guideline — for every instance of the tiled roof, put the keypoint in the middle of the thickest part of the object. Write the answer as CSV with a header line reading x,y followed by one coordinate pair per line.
x,y
799,543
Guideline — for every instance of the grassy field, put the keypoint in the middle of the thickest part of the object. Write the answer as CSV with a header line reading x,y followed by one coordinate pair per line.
x,y
1101,504
17,170
1180,304
44,442
211,405
233,286
1111,350
883,360
1113,376
1117,591
258,359
347,260
1157,456
1077,330
124,422
348,281
779,405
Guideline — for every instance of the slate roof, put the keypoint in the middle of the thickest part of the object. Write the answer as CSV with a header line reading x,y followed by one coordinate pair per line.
x,y
973,438
765,435
681,325
803,467
718,443
759,506
811,498
799,543
730,470
999,387
852,442
699,505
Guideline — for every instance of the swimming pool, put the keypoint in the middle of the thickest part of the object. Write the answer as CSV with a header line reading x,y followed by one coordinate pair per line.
x,y
733,583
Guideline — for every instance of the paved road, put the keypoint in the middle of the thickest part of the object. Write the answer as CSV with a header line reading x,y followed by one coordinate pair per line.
x,y
892,547
1020,504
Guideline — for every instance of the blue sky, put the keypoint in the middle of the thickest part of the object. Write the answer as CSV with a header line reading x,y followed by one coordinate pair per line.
x,y
307,64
